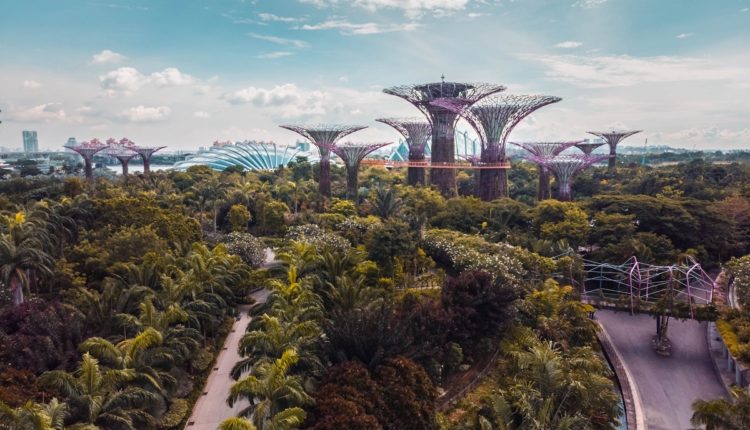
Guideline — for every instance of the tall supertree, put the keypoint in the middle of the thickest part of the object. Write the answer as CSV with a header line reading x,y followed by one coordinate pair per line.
x,y
493,119
87,150
146,152
544,151
566,168
442,120
588,148
352,154
122,150
416,132
612,138
324,137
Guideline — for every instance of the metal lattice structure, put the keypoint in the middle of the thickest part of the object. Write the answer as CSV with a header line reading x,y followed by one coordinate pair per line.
x,y
613,138
352,154
544,151
493,119
566,168
146,152
638,283
416,132
588,148
442,120
87,150
324,137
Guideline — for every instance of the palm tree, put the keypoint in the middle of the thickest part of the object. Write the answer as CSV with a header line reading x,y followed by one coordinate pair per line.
x,y
386,204
722,414
271,390
33,416
23,255
274,339
237,424
101,398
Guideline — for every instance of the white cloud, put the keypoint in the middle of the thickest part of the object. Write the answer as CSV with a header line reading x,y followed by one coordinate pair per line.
x,y
349,28
170,76
625,70
201,114
475,15
107,56
146,114
279,40
129,79
412,8
276,18
40,113
273,55
707,135
568,44
588,4
31,84
745,9
276,96
684,35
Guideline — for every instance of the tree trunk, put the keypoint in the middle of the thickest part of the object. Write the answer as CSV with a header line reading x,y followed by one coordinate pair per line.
x,y
543,192
444,151
415,175
492,182
352,182
324,182
612,158
16,288
564,192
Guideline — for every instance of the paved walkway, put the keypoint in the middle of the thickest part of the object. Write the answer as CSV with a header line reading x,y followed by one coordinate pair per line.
x,y
667,385
211,408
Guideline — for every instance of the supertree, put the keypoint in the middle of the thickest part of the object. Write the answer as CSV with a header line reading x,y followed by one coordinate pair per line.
x,y
565,169
416,132
352,154
123,151
612,138
87,151
588,148
493,119
146,152
544,151
442,120
324,137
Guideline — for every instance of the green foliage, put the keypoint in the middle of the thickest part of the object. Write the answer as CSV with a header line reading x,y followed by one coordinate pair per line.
x,y
246,246
239,217
561,221
175,415
343,207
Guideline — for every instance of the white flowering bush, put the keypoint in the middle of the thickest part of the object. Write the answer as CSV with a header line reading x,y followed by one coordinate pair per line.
x,y
465,252
319,238
740,269
356,228
246,246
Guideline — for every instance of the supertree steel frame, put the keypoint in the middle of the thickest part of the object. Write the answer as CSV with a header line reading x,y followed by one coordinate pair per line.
x,y
588,148
566,168
493,119
146,152
544,151
122,150
352,154
87,150
416,132
442,120
640,283
613,138
324,137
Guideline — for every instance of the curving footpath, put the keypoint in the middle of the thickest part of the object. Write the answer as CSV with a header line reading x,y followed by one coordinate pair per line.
x,y
667,386
211,408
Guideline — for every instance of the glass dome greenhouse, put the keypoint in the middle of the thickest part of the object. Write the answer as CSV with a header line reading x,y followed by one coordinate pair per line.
x,y
248,155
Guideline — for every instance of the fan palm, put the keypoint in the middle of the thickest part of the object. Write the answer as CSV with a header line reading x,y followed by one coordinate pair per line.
x,y
33,416
23,255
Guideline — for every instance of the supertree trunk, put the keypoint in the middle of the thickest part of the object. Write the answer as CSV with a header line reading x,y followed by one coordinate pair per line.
x,y
88,170
124,167
444,151
352,182
543,193
146,166
415,175
612,158
564,192
324,183
492,182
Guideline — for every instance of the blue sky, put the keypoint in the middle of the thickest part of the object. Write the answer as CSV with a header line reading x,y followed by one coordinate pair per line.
x,y
185,73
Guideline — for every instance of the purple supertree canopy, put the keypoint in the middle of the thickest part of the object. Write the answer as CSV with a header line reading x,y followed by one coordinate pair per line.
x,y
416,131
87,149
546,150
353,153
565,167
495,117
147,151
588,148
323,135
612,138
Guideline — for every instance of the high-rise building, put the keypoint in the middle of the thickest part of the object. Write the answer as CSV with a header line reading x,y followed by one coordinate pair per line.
x,y
30,142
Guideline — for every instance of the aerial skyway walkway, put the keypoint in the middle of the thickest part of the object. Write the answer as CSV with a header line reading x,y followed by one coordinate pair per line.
x,y
434,165
685,289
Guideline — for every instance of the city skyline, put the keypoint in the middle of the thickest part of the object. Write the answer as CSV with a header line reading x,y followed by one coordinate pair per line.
x,y
185,75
